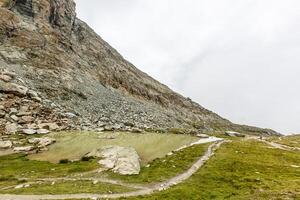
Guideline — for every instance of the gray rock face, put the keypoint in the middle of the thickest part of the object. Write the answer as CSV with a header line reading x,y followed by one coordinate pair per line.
x,y
121,160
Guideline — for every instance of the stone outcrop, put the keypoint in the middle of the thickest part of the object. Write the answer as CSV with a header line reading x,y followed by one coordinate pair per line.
x,y
121,160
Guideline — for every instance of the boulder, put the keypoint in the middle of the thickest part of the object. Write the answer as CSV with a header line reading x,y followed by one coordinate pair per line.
x,y
27,119
202,136
24,149
14,117
13,88
32,93
234,134
2,113
121,160
5,144
42,142
29,131
5,78
11,128
48,126
43,131
136,130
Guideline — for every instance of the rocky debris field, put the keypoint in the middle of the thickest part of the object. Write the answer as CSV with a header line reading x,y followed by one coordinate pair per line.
x,y
23,111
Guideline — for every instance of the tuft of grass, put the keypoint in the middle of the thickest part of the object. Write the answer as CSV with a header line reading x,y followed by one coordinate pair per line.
x,y
164,168
241,170
68,187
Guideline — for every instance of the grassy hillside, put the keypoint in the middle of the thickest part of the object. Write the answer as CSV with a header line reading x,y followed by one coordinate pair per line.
x,y
242,170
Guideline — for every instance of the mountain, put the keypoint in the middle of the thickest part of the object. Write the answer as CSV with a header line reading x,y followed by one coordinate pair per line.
x,y
66,74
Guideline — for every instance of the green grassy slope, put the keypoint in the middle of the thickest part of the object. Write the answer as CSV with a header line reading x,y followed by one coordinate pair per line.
x,y
241,170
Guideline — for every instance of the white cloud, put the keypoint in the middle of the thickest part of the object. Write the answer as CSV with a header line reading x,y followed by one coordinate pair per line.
x,y
238,58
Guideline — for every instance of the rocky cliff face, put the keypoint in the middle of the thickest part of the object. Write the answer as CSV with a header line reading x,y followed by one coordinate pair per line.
x,y
58,56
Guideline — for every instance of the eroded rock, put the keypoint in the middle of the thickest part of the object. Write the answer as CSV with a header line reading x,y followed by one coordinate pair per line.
x,y
24,149
121,160
5,144
29,131
42,142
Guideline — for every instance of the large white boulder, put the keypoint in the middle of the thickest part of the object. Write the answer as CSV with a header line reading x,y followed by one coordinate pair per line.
x,y
121,160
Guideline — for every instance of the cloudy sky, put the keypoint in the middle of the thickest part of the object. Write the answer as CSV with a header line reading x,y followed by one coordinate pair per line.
x,y
240,59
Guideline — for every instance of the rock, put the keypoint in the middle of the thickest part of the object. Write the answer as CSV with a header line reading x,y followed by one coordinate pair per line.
x,y
11,128
121,160
5,144
5,78
234,134
108,128
202,135
43,131
24,149
42,142
10,74
101,129
29,131
32,93
2,113
13,111
48,126
14,117
27,119
19,186
13,88
21,114
70,115
37,99
136,130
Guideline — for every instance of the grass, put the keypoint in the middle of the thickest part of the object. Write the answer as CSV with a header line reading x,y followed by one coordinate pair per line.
x,y
291,140
73,145
19,166
241,170
68,187
168,167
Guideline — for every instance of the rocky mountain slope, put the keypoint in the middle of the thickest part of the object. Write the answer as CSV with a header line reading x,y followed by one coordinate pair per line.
x,y
56,69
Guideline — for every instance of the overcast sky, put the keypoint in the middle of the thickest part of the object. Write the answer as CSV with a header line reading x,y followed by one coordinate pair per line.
x,y
240,59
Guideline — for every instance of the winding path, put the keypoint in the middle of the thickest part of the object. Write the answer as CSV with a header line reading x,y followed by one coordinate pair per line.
x,y
142,191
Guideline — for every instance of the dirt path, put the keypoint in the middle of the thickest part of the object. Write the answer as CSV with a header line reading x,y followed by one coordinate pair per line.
x,y
144,191
281,146
274,144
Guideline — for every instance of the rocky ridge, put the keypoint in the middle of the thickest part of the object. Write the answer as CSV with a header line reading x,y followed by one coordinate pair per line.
x,y
60,73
